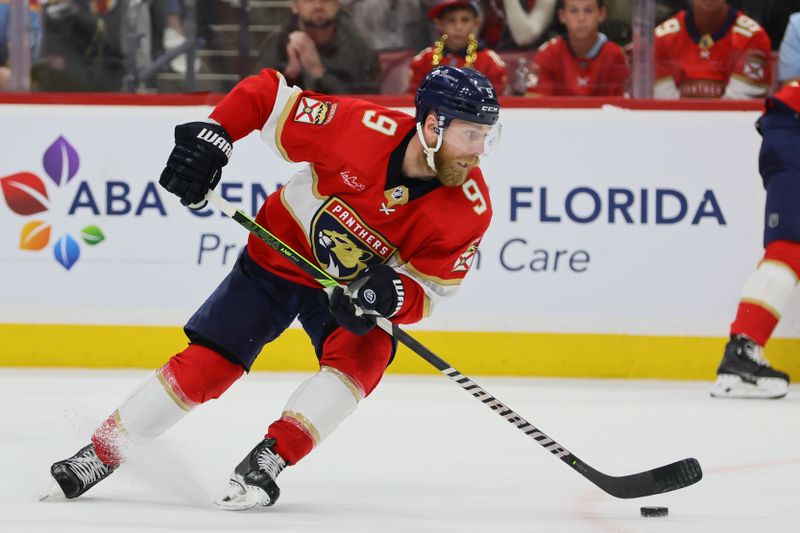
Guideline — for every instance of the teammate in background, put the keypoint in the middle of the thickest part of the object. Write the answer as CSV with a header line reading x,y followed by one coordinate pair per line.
x,y
392,205
459,22
712,51
583,62
744,372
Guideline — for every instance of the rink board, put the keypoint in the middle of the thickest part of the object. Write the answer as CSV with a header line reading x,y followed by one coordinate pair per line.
x,y
618,247
500,354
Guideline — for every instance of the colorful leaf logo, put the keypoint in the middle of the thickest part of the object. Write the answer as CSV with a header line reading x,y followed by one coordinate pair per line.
x,y
35,235
25,193
92,235
61,161
67,251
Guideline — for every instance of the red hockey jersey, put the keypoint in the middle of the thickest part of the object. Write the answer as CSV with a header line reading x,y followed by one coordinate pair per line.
x,y
487,63
733,63
557,71
351,207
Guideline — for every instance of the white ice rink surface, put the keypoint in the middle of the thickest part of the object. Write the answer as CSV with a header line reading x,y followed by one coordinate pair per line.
x,y
419,455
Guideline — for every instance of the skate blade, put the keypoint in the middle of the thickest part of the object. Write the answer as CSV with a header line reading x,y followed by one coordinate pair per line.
x,y
52,493
732,386
240,497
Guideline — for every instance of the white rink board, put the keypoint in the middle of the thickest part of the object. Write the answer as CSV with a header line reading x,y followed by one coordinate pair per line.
x,y
640,277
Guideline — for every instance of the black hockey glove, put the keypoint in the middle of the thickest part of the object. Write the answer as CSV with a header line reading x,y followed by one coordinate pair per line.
x,y
378,290
195,164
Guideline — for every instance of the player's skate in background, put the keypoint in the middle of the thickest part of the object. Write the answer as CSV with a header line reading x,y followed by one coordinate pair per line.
x,y
744,371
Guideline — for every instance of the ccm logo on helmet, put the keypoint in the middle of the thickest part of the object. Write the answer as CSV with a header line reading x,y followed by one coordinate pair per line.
x,y
490,108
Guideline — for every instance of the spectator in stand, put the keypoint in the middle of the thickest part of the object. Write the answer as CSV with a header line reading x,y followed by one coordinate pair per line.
x,y
321,50
170,27
712,50
458,22
392,24
744,372
34,38
86,47
583,62
516,24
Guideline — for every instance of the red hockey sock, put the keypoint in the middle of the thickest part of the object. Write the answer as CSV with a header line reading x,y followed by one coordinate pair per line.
x,y
767,292
106,441
785,252
292,442
755,322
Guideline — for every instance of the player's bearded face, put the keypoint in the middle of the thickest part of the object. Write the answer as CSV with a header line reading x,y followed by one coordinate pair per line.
x,y
463,144
453,165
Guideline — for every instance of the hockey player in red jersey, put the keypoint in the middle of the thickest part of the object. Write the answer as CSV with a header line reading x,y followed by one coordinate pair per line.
x,y
459,22
391,204
583,62
744,371
712,51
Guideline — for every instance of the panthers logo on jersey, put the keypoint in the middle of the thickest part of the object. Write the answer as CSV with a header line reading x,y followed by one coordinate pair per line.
x,y
343,245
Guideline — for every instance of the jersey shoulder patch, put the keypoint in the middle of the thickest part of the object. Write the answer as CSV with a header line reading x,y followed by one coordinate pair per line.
x,y
311,110
464,261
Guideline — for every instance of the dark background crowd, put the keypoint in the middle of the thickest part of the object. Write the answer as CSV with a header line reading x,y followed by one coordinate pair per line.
x,y
527,47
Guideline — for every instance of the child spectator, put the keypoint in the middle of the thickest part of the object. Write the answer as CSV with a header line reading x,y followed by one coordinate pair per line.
x,y
458,22
583,62
712,51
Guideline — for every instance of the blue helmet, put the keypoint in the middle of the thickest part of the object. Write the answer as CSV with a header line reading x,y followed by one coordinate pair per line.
x,y
457,92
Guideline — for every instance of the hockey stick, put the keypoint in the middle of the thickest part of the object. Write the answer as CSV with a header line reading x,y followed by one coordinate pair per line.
x,y
663,479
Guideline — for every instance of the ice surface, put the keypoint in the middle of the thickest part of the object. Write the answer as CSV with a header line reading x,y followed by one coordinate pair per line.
x,y
419,455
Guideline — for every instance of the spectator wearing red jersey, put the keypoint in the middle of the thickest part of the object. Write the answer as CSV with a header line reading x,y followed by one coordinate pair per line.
x,y
712,51
583,62
458,22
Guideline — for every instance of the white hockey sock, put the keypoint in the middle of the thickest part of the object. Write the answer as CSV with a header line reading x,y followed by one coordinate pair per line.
x,y
321,402
152,408
770,287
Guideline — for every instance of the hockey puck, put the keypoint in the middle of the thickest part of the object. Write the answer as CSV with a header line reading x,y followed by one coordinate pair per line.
x,y
654,511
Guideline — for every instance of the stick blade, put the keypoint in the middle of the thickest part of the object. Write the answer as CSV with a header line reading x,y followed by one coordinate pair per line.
x,y
663,479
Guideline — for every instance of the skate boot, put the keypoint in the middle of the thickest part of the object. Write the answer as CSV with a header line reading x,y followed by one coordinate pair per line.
x,y
253,481
745,373
80,472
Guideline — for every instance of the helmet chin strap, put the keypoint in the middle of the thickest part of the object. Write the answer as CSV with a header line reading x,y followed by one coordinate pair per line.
x,y
427,149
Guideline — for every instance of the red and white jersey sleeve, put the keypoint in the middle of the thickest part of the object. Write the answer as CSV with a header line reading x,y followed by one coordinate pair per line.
x,y
351,207
734,63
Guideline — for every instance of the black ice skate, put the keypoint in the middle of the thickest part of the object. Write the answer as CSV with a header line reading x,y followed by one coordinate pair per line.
x,y
80,472
253,481
745,373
